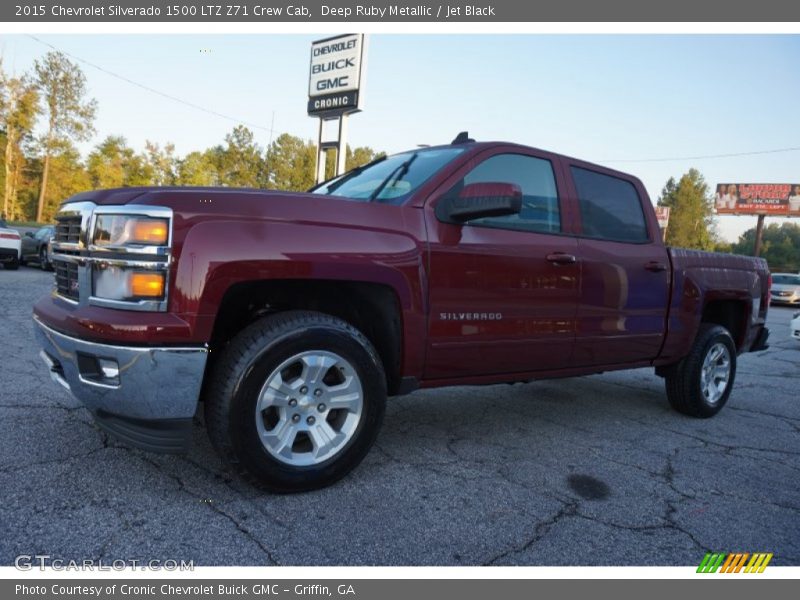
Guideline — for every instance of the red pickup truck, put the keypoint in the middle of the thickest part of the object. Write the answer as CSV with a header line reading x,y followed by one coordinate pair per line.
x,y
292,316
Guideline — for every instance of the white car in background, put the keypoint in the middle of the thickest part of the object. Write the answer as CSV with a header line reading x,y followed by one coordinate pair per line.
x,y
10,246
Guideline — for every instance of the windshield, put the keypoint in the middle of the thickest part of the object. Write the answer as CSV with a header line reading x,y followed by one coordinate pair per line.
x,y
786,279
389,179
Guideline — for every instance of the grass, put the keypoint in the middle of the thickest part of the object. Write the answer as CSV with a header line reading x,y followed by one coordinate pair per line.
x,y
25,224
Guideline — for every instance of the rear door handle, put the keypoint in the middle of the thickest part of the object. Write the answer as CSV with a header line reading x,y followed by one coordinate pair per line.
x,y
655,266
561,258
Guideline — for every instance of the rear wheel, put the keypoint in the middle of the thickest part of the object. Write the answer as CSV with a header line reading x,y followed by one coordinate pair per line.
x,y
700,384
12,265
296,401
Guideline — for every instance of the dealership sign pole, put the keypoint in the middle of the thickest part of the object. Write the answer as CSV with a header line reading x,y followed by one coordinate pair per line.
x,y
662,215
761,199
335,91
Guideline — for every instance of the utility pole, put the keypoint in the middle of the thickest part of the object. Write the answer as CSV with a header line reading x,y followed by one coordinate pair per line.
x,y
759,235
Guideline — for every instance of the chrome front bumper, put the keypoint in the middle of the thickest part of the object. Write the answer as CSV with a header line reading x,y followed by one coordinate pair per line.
x,y
145,396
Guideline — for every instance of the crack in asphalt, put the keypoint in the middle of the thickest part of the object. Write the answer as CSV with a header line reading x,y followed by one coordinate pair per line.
x,y
706,442
793,422
206,502
542,528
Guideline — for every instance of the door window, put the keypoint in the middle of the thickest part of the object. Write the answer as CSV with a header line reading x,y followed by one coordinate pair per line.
x,y
610,207
534,176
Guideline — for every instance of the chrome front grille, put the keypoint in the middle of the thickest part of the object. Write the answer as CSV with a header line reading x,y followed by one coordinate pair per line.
x,y
68,229
67,283
69,248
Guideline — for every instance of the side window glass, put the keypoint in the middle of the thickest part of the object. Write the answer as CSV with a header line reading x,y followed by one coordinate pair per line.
x,y
610,207
534,176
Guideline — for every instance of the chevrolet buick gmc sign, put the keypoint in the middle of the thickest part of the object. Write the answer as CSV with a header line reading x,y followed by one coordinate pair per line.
x,y
334,79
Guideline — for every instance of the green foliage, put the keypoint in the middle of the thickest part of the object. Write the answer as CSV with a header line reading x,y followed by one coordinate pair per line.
x,y
780,246
691,220
240,162
197,168
114,164
162,163
359,156
291,163
68,177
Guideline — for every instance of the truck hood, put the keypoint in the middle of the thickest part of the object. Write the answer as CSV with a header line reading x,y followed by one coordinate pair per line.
x,y
127,195
191,204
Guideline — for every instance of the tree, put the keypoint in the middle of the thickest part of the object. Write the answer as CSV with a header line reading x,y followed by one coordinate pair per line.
x,y
780,246
691,219
114,164
68,177
19,107
355,157
240,163
197,168
162,163
70,115
291,163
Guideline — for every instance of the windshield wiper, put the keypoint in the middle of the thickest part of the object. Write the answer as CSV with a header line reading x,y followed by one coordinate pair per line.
x,y
395,175
347,176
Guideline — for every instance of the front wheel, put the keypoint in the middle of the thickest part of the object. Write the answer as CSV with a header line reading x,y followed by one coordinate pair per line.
x,y
44,260
296,401
700,384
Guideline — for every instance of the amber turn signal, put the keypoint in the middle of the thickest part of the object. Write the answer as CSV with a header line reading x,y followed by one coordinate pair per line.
x,y
147,285
150,231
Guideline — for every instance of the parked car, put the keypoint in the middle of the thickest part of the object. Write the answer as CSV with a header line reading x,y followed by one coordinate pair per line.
x,y
785,288
10,245
294,315
794,326
36,247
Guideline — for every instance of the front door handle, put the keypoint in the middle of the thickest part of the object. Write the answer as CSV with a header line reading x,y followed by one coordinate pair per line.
x,y
655,266
561,258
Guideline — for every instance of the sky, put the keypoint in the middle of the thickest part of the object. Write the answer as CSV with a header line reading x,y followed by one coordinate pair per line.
x,y
618,100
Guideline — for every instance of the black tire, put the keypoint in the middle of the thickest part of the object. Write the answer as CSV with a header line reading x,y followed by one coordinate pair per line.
x,y
44,262
684,380
12,265
245,365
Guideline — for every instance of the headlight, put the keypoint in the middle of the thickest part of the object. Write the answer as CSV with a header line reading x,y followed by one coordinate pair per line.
x,y
123,230
126,284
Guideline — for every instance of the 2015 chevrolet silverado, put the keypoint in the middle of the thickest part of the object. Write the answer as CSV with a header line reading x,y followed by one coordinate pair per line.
x,y
292,316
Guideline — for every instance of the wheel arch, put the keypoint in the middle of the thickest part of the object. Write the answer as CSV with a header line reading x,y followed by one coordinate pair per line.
x,y
372,308
733,315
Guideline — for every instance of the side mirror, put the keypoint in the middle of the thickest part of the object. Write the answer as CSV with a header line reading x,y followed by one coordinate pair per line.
x,y
29,234
478,200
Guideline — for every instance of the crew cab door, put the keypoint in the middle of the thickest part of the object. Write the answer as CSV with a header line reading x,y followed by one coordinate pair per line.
x,y
503,291
625,269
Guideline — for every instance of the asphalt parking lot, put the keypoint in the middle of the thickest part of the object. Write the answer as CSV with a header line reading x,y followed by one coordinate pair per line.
x,y
587,471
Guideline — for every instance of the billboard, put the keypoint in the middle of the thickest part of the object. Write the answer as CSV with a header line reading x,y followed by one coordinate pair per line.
x,y
335,75
773,199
